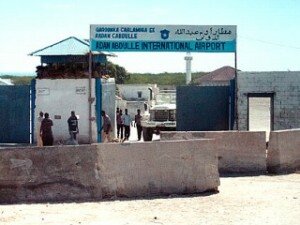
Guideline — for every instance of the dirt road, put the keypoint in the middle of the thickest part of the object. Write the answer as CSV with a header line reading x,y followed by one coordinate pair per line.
x,y
241,200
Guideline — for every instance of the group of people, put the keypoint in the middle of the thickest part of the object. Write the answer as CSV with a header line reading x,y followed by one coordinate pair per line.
x,y
45,134
124,122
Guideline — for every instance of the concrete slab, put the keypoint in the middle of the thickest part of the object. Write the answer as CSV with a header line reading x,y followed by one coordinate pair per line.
x,y
241,201
69,173
284,151
239,152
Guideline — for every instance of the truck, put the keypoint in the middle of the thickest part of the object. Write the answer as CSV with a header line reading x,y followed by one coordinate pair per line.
x,y
160,114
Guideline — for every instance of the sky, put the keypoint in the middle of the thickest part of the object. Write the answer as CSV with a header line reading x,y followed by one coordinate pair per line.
x,y
268,31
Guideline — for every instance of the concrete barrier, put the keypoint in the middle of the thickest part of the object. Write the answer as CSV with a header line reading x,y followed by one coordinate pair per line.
x,y
284,151
105,170
239,152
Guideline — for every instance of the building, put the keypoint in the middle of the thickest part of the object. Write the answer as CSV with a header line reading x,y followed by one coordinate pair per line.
x,y
261,101
220,76
5,81
137,92
282,88
69,58
62,85
135,96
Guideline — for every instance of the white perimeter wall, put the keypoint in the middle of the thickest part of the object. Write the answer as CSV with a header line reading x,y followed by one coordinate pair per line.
x,y
130,91
59,97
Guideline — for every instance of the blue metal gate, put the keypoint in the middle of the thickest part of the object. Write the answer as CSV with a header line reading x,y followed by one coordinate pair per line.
x,y
15,114
205,108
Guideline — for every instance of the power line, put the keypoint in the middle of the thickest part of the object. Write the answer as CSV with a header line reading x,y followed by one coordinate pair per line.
x,y
269,42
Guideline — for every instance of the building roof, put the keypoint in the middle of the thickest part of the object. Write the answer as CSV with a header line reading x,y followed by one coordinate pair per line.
x,y
224,73
68,46
5,81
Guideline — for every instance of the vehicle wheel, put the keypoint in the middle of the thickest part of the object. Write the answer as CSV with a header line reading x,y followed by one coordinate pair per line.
x,y
147,133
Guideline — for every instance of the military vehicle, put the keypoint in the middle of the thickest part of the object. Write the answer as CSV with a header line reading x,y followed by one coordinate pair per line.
x,y
161,115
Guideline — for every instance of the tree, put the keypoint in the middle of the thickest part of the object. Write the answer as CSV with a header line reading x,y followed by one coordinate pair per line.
x,y
118,72
18,80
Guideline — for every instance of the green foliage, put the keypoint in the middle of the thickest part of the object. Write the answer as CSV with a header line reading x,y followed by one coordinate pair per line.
x,y
118,72
161,78
122,77
19,80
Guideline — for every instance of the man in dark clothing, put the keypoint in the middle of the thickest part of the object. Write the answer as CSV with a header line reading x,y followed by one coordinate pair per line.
x,y
73,125
46,130
120,124
137,122
106,128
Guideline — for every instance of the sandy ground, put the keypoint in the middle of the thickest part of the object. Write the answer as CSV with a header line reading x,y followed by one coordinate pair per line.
x,y
241,200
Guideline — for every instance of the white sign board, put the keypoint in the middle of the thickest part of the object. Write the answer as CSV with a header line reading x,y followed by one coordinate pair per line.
x,y
163,38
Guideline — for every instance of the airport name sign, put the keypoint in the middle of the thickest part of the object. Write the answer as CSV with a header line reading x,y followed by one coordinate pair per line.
x,y
163,38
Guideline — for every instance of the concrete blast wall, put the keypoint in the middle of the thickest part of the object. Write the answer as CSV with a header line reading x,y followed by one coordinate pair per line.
x,y
284,151
238,151
105,170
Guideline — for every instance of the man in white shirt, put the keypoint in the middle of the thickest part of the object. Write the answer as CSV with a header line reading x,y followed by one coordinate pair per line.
x,y
126,122
39,140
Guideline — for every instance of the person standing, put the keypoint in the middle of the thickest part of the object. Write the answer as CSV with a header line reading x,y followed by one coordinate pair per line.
x,y
138,124
73,125
106,128
126,122
46,131
119,124
39,141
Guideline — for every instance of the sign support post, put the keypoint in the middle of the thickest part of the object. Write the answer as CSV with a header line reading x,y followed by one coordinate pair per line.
x,y
90,100
163,38
236,89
